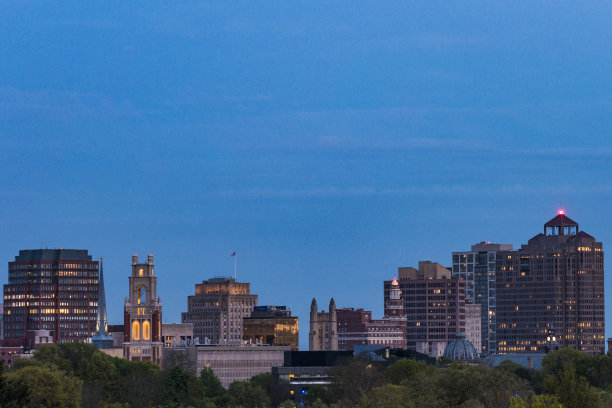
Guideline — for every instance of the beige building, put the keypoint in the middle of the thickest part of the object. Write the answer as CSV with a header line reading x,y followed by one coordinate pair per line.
x,y
239,362
472,325
323,328
217,309
177,334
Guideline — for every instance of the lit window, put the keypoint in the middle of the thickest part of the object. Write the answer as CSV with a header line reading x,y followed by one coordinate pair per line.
x,y
146,330
135,330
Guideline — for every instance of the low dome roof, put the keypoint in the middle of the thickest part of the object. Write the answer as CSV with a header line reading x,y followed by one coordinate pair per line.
x,y
460,349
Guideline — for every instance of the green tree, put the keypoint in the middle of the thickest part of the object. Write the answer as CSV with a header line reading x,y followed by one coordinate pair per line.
x,y
45,388
386,396
182,387
572,390
354,379
212,385
245,394
404,369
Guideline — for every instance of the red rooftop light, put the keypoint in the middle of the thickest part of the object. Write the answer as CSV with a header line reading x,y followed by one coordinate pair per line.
x,y
561,212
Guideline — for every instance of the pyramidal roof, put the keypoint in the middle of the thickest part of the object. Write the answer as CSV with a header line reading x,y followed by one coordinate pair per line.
x,y
561,220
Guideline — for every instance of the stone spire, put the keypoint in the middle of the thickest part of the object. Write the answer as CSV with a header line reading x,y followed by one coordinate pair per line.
x,y
102,339
101,321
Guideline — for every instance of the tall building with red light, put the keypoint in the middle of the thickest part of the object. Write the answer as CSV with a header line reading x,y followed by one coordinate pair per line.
x,y
51,289
142,315
550,292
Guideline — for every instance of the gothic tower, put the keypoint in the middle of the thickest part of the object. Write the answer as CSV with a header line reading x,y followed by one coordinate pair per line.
x,y
323,328
142,315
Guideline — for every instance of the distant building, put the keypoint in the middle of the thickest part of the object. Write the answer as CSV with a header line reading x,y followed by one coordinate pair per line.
x,y
550,292
143,315
1,322
217,309
177,334
323,333
461,349
473,325
477,269
357,328
61,288
272,325
236,362
434,305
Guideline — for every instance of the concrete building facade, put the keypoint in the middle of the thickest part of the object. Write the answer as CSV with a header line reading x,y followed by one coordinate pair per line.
x,y
434,306
217,310
473,326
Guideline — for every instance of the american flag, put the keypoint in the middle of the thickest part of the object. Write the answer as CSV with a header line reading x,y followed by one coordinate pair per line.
x,y
233,254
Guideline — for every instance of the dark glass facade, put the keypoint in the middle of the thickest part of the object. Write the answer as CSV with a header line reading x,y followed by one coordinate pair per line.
x,y
51,289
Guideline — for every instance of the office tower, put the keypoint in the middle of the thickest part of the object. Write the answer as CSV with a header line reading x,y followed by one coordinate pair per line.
x,y
272,325
51,289
217,309
102,339
434,306
550,292
477,268
142,315
323,333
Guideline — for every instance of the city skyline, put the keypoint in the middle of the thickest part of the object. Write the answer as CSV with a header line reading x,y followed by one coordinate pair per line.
x,y
327,144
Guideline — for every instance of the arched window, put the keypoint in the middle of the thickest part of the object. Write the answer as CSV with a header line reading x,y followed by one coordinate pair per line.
x,y
146,330
142,295
135,330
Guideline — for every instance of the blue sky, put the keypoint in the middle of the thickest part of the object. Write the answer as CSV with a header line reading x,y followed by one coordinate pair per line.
x,y
327,142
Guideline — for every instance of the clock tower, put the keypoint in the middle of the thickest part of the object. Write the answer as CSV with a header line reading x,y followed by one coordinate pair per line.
x,y
142,315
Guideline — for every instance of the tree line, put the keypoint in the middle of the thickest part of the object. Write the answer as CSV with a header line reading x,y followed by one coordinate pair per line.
x,y
79,375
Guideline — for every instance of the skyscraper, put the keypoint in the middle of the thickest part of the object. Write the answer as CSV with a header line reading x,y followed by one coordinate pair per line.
x,y
550,292
217,309
51,289
142,315
477,268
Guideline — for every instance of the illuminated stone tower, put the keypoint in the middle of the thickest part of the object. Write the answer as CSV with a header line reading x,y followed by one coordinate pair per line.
x,y
142,315
102,339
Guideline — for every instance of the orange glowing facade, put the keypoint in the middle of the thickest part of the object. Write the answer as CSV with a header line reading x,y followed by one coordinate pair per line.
x,y
272,325
142,315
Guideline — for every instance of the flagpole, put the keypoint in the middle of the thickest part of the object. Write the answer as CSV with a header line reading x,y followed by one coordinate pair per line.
x,y
235,258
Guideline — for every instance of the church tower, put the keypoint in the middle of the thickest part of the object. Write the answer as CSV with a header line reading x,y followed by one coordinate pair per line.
x,y
142,315
102,339
323,328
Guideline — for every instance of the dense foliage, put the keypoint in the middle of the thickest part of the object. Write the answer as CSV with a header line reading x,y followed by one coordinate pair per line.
x,y
79,375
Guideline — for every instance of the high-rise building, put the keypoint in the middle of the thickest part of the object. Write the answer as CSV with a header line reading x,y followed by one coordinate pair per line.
x,y
477,269
550,292
323,333
272,325
142,315
51,289
434,306
356,327
217,309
